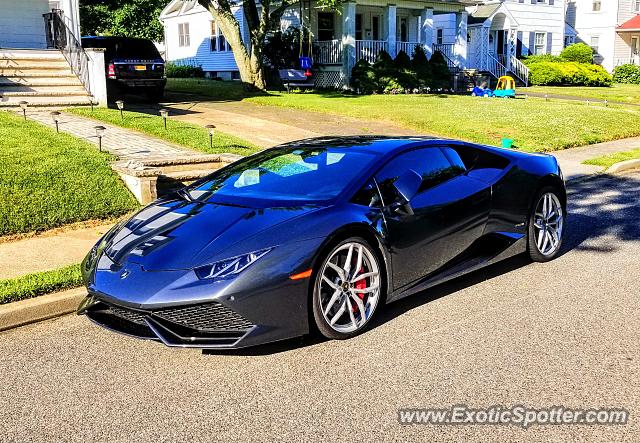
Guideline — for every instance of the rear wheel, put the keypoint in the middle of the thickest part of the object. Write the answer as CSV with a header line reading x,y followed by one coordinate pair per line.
x,y
347,289
546,226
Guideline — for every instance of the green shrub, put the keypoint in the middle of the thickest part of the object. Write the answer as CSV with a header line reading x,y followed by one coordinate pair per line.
x,y
568,74
541,58
627,74
384,64
363,77
402,61
391,85
579,53
441,76
421,66
173,70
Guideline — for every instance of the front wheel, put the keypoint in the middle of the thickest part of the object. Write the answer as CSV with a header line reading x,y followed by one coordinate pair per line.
x,y
348,289
546,226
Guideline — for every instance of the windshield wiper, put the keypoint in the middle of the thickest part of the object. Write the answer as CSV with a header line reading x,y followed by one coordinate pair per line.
x,y
185,194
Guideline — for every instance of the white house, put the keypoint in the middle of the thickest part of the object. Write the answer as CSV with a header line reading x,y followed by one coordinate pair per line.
x,y
41,58
610,27
488,36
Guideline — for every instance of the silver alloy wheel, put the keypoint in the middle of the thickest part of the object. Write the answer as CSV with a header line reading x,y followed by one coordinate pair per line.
x,y
548,223
349,287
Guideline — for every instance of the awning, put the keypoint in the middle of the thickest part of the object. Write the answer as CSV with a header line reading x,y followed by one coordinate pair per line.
x,y
632,25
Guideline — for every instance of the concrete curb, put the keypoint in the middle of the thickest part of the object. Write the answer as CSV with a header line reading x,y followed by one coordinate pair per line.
x,y
624,166
40,308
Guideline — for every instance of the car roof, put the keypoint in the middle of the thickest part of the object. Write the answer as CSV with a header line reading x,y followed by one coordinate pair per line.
x,y
381,145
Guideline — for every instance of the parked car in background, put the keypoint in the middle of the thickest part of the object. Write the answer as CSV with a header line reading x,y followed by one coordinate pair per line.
x,y
132,65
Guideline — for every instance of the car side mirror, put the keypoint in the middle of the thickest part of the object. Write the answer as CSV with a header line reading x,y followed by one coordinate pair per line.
x,y
407,186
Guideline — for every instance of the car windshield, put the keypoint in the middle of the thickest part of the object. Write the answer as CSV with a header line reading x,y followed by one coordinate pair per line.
x,y
305,175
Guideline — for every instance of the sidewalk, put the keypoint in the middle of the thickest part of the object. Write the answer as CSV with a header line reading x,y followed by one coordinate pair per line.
x,y
570,160
124,143
48,251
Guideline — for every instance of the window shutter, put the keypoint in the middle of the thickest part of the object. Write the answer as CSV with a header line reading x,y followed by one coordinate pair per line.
x,y
519,44
532,42
549,42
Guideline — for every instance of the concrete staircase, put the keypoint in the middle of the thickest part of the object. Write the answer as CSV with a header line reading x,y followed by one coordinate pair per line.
x,y
39,77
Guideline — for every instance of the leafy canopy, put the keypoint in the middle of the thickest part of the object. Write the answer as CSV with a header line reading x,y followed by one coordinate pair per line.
x,y
127,18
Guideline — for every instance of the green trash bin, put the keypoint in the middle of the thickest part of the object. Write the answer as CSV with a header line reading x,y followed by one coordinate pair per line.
x,y
507,143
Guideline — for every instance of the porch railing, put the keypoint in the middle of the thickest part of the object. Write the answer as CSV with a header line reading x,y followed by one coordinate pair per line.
x,y
407,47
520,70
369,49
59,36
494,66
627,61
329,52
448,50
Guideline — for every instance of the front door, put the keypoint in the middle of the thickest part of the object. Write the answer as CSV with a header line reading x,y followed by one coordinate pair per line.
x,y
635,49
403,30
449,213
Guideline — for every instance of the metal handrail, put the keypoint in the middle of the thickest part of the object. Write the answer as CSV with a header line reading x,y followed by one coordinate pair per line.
x,y
496,68
520,70
60,36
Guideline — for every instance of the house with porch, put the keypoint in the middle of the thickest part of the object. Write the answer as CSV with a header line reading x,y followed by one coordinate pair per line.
x,y
484,36
41,58
610,27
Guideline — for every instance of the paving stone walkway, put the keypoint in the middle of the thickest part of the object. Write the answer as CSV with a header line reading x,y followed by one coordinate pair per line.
x,y
124,143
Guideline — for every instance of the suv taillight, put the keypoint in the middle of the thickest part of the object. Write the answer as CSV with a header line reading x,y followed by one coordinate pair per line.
x,y
112,71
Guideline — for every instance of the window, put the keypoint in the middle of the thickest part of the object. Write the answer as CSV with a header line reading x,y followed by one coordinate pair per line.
x,y
326,26
375,24
440,36
596,6
595,43
309,174
540,43
183,34
218,42
358,26
403,30
635,46
636,6
430,163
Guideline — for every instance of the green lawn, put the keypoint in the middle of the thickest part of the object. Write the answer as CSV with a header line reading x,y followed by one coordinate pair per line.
x,y
181,133
48,179
609,160
616,93
40,283
533,124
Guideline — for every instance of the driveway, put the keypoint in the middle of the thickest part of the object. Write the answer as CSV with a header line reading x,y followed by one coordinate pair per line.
x,y
562,333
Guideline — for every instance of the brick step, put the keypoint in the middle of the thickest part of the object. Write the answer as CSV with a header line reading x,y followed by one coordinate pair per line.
x,y
33,82
33,64
10,102
31,54
15,76
16,71
41,91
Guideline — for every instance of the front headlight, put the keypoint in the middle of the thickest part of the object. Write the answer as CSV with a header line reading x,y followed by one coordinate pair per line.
x,y
230,266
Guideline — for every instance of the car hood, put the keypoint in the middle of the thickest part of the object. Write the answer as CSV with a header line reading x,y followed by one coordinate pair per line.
x,y
177,234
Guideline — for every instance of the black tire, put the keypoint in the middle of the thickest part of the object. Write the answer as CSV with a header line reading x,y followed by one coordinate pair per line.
x,y
321,323
532,247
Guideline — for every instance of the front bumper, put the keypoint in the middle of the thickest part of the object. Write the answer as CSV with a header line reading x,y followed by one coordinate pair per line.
x,y
205,325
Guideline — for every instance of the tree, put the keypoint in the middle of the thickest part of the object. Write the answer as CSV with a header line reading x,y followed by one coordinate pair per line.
x,y
129,18
249,55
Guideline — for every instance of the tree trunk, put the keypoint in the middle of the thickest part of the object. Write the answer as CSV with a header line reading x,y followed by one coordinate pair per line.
x,y
249,59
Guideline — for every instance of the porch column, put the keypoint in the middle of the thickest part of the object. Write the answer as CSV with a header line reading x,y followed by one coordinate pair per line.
x,y
390,30
426,31
460,49
348,38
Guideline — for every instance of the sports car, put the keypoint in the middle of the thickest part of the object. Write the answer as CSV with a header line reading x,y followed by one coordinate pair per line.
x,y
317,236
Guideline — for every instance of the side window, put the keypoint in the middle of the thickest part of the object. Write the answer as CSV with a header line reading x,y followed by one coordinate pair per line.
x,y
430,163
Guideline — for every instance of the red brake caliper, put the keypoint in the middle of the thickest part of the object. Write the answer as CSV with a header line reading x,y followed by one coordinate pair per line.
x,y
360,284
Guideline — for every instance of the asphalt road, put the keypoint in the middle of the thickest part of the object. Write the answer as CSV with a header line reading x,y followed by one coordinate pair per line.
x,y
563,333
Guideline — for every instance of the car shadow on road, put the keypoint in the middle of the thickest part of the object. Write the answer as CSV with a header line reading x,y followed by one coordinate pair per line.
x,y
602,206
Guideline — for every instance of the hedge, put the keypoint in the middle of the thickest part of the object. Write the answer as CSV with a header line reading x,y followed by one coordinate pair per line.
x,y
579,53
627,74
568,74
173,70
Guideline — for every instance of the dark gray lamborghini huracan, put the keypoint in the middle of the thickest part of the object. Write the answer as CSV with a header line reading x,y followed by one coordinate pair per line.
x,y
319,233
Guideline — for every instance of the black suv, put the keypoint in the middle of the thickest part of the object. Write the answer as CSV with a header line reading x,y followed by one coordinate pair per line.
x,y
131,64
